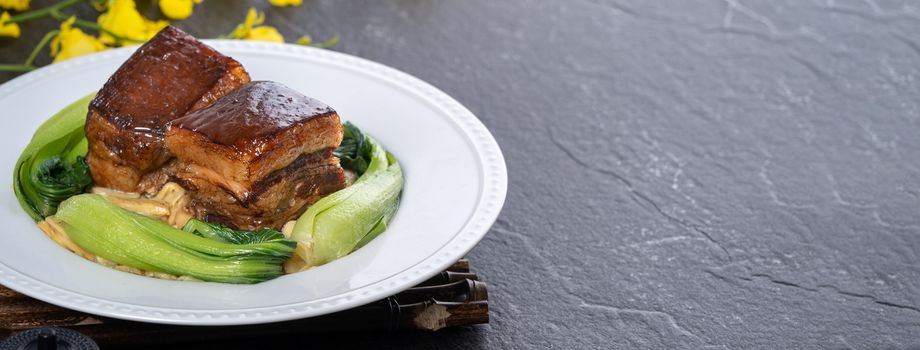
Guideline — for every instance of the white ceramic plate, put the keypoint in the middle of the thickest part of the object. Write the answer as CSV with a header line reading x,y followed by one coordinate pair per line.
x,y
455,187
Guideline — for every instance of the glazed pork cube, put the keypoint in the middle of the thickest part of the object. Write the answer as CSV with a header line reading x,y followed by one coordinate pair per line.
x,y
258,156
169,76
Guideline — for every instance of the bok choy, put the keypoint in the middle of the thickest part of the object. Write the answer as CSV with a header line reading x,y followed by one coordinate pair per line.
x,y
346,220
52,168
223,233
135,240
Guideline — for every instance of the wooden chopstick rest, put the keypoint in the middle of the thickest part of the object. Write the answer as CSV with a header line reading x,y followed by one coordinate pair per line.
x,y
448,277
459,291
462,265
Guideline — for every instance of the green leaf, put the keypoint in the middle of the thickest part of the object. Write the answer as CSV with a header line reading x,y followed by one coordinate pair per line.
x,y
222,233
354,152
60,136
106,230
57,180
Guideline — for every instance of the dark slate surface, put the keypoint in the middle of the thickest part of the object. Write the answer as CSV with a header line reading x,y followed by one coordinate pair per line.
x,y
683,174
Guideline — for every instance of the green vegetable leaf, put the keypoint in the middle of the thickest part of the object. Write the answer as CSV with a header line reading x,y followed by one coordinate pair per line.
x,y
355,152
222,233
135,240
39,180
57,180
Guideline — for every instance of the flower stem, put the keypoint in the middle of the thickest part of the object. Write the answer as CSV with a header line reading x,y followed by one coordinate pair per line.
x,y
15,68
327,44
41,13
41,44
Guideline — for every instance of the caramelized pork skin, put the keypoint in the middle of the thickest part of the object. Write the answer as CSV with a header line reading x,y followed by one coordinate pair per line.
x,y
169,76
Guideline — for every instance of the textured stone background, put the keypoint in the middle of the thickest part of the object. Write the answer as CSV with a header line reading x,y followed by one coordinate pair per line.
x,y
684,174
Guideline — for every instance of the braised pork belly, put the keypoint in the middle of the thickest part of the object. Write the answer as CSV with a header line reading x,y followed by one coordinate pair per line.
x,y
169,76
257,157
250,154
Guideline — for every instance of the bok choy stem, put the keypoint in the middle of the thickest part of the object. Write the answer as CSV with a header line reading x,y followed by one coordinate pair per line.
x,y
135,240
348,219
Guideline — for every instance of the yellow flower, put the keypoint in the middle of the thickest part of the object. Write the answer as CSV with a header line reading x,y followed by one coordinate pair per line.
x,y
283,3
10,30
178,9
265,33
123,19
251,29
72,42
18,5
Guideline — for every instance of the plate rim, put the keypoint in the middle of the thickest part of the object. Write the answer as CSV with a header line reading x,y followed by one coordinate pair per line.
x,y
494,179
